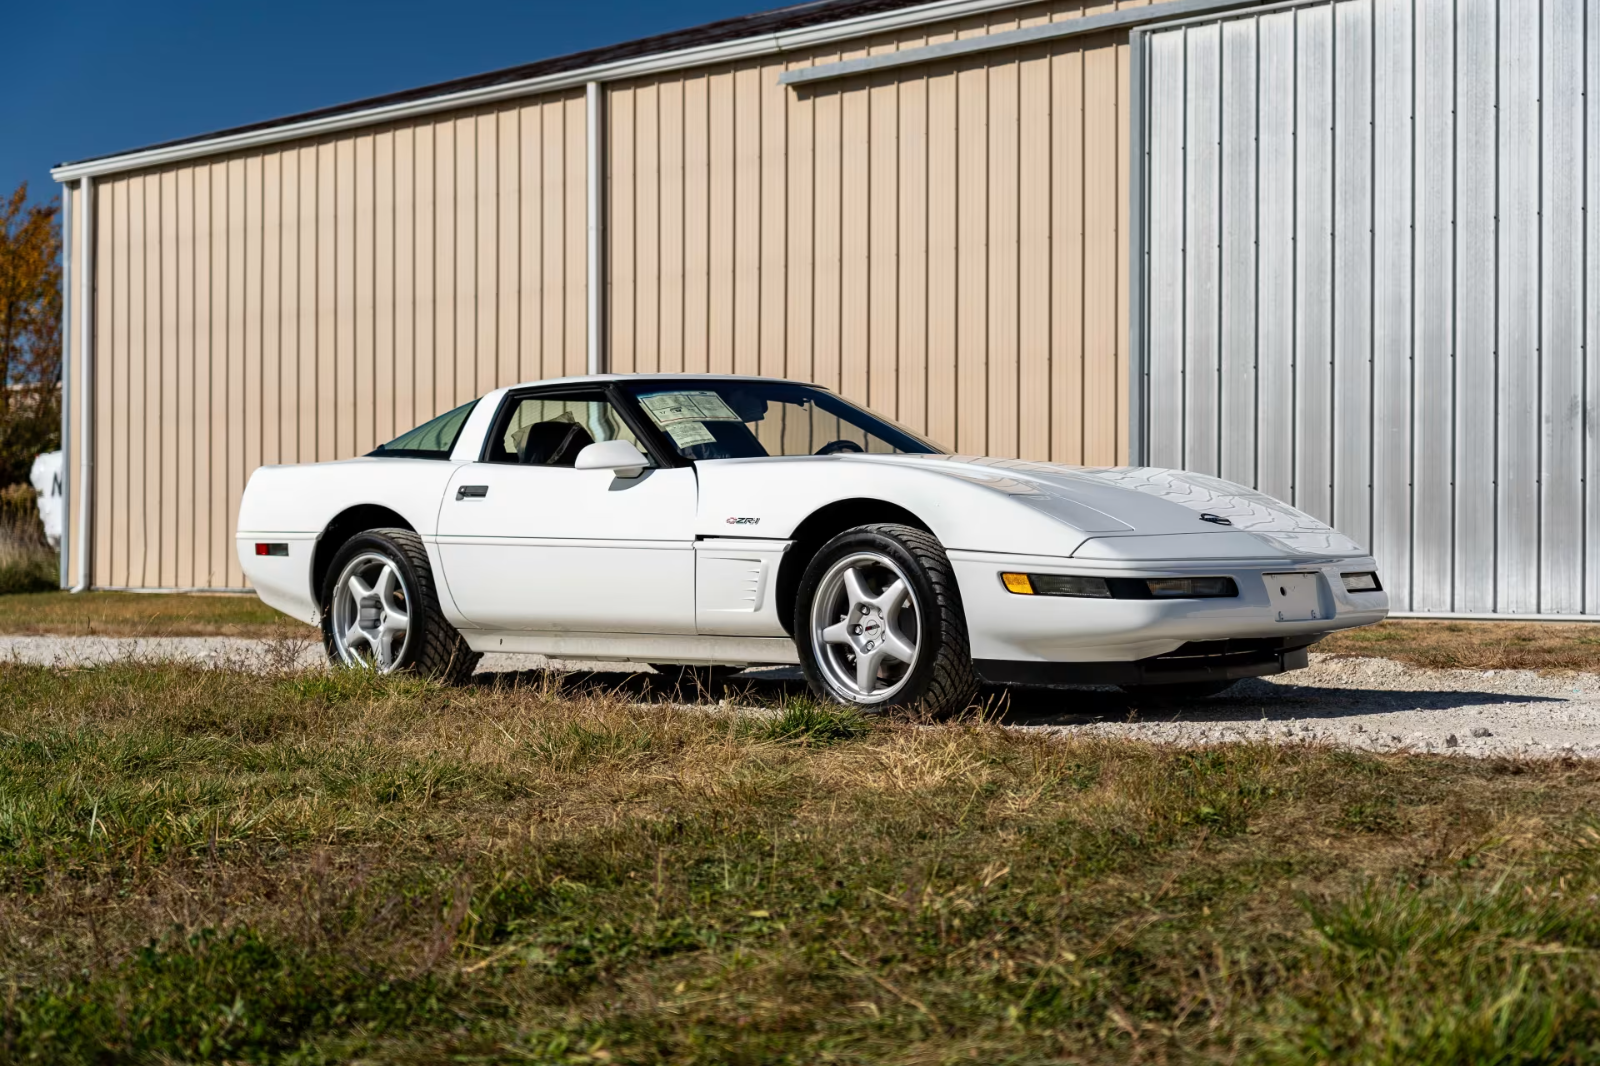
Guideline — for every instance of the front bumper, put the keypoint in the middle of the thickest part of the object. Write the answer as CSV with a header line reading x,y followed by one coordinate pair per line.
x,y
1008,628
1200,660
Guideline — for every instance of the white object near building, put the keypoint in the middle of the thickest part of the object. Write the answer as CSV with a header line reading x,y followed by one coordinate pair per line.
x,y
49,481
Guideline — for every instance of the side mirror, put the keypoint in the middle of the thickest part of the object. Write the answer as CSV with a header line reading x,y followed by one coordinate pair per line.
x,y
618,456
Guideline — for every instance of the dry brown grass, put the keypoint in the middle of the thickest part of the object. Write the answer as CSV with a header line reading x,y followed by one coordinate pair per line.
x,y
130,614
338,867
27,562
1447,645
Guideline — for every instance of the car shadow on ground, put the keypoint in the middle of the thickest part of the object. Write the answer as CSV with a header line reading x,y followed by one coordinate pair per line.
x,y
1250,700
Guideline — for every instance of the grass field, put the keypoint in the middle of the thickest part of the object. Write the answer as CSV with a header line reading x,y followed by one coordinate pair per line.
x,y
1475,645
126,614
212,866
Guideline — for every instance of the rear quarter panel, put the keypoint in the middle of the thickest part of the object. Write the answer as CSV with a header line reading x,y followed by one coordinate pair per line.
x,y
304,499
293,505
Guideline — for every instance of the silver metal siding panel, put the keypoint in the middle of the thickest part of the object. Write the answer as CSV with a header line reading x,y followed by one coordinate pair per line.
x,y
1591,306
1433,292
1393,130
1352,270
1166,183
1561,344
1475,292
1407,317
1314,280
1202,263
1517,362
1238,235
1275,302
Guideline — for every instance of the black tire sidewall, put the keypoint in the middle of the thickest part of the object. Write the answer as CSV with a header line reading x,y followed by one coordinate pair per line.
x,y
931,638
418,609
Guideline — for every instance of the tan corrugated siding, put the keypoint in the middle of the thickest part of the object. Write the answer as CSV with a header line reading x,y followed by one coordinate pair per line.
x,y
309,301
943,243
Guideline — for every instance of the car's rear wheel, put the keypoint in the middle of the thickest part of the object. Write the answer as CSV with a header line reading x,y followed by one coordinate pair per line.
x,y
380,610
878,622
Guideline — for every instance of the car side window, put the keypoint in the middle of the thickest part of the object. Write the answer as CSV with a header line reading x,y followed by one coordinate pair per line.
x,y
545,430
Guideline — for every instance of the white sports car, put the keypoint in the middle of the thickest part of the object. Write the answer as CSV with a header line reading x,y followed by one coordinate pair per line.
x,y
733,521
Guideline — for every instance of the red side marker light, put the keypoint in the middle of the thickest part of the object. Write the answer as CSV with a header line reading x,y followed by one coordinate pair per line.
x,y
272,549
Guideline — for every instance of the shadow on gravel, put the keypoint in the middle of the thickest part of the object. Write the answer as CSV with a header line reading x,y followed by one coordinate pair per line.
x,y
1253,700
766,686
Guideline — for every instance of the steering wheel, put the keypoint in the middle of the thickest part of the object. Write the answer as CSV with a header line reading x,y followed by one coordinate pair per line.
x,y
834,447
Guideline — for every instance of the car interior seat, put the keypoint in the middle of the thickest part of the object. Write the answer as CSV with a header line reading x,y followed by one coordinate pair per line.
x,y
553,444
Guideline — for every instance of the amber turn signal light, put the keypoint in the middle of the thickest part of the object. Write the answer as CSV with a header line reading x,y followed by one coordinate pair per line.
x,y
1018,583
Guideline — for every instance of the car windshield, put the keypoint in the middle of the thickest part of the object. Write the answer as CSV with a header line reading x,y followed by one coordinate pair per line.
x,y
431,440
720,419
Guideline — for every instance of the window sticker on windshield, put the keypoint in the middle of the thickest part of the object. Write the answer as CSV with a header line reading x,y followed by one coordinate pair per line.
x,y
688,434
668,408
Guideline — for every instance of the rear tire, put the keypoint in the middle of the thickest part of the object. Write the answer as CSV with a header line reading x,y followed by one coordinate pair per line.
x,y
879,623
1182,692
380,610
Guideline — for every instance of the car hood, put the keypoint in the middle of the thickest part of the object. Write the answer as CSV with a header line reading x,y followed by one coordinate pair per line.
x,y
1142,501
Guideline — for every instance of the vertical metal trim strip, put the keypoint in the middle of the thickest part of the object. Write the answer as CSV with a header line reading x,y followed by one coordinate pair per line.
x,y
595,100
86,381
1138,258
64,576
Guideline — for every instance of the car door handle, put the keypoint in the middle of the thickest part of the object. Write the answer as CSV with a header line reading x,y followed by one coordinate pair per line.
x,y
472,492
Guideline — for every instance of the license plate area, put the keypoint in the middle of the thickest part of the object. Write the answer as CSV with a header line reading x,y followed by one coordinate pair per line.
x,y
1295,597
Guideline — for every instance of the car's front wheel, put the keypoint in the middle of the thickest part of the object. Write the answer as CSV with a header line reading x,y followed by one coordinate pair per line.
x,y
878,622
380,610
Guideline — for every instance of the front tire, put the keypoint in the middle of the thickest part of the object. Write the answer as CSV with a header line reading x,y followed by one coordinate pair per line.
x,y
380,610
879,623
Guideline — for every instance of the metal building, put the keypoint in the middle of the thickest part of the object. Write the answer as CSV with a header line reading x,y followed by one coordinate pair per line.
x,y
1371,281
1058,229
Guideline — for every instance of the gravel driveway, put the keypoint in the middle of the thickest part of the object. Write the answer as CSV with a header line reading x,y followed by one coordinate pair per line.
x,y
1368,704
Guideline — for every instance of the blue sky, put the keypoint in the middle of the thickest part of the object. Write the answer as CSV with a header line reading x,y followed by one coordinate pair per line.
x,y
91,77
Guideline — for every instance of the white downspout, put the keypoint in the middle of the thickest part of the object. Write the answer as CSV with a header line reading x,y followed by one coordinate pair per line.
x,y
597,274
64,579
85,230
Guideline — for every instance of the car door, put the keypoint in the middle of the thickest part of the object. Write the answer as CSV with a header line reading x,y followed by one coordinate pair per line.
x,y
527,542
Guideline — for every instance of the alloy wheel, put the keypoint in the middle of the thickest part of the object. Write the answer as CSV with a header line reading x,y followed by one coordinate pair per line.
x,y
865,627
371,613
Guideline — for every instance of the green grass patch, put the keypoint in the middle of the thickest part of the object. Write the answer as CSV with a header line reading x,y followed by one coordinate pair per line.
x,y
31,604
209,866
817,723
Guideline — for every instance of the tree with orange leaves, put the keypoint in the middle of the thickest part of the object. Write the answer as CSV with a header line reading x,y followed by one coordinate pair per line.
x,y
30,333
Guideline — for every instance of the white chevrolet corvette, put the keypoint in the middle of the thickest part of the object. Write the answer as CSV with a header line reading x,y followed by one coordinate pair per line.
x,y
732,521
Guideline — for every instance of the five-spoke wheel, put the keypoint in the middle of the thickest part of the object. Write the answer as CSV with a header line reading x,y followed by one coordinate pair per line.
x,y
879,623
380,610
371,617
865,627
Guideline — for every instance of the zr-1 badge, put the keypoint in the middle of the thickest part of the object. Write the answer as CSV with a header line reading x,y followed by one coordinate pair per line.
x,y
744,521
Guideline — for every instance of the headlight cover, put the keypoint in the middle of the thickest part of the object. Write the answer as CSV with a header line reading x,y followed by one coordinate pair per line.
x,y
1056,585
1192,588
1362,582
